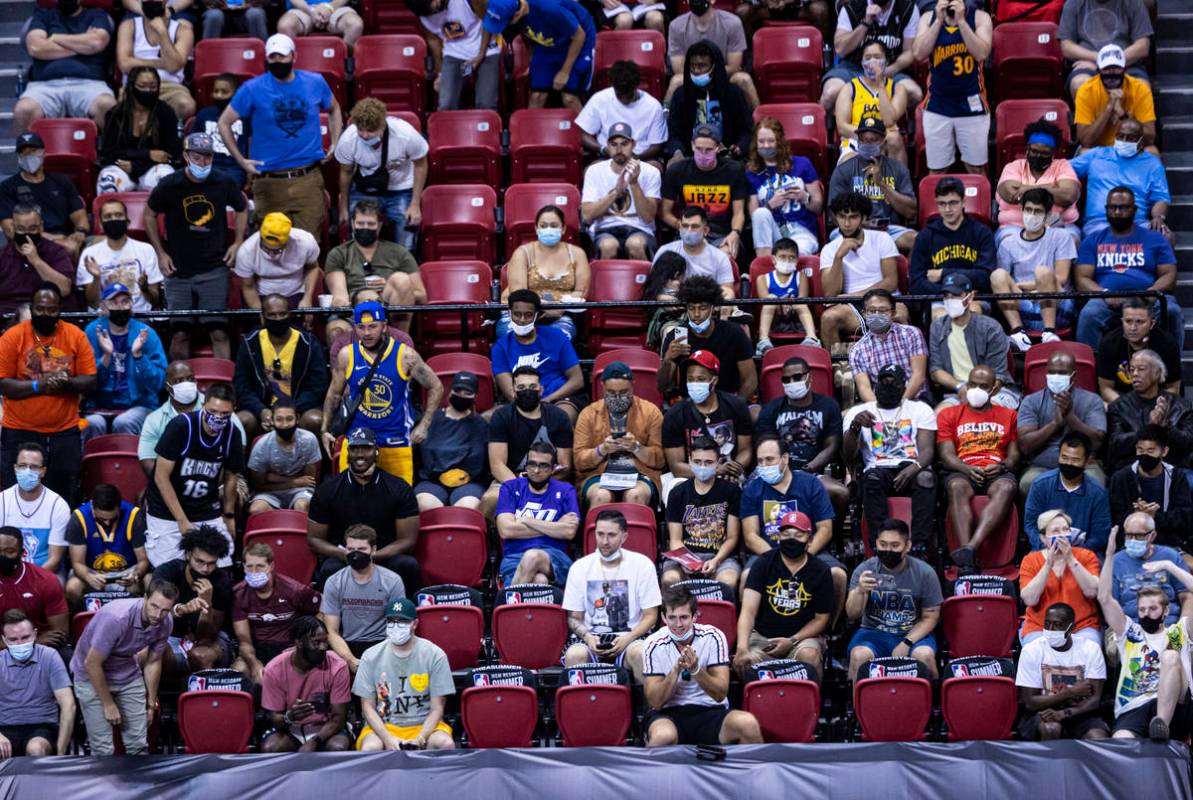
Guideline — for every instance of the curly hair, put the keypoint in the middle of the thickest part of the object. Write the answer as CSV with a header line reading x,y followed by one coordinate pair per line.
x,y
699,289
206,538
369,114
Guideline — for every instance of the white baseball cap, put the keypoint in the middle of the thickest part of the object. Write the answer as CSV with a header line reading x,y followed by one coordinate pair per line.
x,y
1111,56
279,44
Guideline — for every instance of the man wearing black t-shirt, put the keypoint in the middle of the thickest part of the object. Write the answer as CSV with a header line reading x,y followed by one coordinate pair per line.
x,y
700,297
787,602
514,427
717,184
364,494
198,640
63,215
1138,332
702,516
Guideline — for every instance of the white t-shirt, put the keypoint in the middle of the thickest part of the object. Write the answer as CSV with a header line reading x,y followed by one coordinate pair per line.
x,y
1041,667
41,522
892,440
661,654
125,265
644,116
283,275
863,267
600,179
611,598
459,28
406,145
712,262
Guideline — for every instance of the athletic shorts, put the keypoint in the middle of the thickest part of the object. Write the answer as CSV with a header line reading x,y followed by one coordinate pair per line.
x,y
207,291
1137,720
944,136
283,498
65,97
545,64
403,733
334,25
162,538
19,736
560,564
696,724
882,644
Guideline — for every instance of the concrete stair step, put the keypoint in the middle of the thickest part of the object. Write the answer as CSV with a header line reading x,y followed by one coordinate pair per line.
x,y
1180,214
1172,58
1177,132
1173,23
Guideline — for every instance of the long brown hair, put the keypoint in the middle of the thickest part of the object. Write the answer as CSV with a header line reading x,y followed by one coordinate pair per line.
x,y
783,150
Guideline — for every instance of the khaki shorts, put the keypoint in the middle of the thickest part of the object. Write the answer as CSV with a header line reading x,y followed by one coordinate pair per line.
x,y
758,643
333,24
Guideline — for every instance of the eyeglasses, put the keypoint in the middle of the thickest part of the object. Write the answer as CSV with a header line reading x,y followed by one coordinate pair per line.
x,y
537,466
1136,536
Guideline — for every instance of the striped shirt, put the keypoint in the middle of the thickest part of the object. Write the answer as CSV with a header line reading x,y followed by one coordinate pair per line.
x,y
899,344
662,653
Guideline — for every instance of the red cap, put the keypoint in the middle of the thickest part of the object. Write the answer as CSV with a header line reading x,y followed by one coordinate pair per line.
x,y
707,359
795,519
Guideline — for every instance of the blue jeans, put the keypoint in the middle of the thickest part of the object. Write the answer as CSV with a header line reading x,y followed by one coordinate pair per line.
x,y
394,204
1097,318
129,421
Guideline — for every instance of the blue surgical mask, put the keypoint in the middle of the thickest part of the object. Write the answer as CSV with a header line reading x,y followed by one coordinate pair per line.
x,y
199,173
702,80
21,652
772,474
27,479
870,151
700,327
370,142
616,554
1136,548
549,237
691,238
1126,149
698,391
703,473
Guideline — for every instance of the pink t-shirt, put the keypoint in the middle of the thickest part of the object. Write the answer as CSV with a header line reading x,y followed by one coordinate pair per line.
x,y
1059,169
282,686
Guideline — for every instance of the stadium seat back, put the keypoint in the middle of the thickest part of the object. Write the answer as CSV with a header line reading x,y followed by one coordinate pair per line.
x,y
209,370
897,508
544,146
122,470
977,198
292,554
644,364
215,721
530,635
1035,365
593,715
804,128
722,615
385,17
78,624
893,709
446,365
643,534
452,546
980,707
459,223
465,147
646,48
787,63
70,150
1027,60
243,57
980,624
452,283
328,56
392,68
458,630
499,716
522,204
617,280
786,710
997,549
819,363
121,443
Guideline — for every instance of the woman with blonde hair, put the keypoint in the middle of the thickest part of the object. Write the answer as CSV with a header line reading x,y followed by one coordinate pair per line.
x,y
1059,572
787,194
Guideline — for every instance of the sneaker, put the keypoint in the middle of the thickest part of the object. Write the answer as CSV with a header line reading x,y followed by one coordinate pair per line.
x,y
1049,336
963,557
1020,340
811,341
763,345
1157,730
741,317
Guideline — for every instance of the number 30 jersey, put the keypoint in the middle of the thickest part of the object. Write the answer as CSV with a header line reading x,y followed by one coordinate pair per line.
x,y
198,462
956,87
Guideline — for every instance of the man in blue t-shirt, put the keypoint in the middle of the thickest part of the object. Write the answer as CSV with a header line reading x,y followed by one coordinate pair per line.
x,y
1124,256
536,518
1125,163
1132,571
285,139
543,347
564,38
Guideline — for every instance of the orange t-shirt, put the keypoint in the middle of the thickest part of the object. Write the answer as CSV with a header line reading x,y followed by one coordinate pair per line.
x,y
981,438
1060,590
29,357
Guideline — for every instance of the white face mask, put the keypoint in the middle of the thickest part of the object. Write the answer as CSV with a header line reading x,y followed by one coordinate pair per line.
x,y
796,390
398,632
1059,384
1055,639
186,392
1033,223
976,398
784,267
616,554
522,330
954,307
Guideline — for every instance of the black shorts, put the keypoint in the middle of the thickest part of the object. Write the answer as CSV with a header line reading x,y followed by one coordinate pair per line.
x,y
1073,727
1137,720
696,724
268,651
21,735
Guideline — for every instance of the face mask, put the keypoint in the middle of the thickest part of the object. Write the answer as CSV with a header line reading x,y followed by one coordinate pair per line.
x,y
691,238
683,637
1070,471
365,236
359,560
703,474
889,395
616,554
954,307
185,392
9,566
1038,161
222,103
1055,639
44,324
27,479
146,97
1059,384
522,330
768,153
702,80
115,229
461,403
796,390
315,656
976,398
889,558
699,391
1147,623
618,405
279,69
215,422
526,399
278,328
870,151
785,267
1033,223
23,652
256,580
700,327
772,474
549,237
878,323
120,316
285,434
873,67
198,172
1126,149
1136,548
398,632
699,7
705,160
372,141
30,164
22,239
1120,224
1147,463
792,548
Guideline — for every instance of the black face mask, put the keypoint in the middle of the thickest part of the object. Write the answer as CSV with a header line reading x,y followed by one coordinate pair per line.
x,y
1038,161
358,560
526,399
889,558
279,69
9,566
285,434
146,97
1070,471
22,239
792,548
314,656
222,103
698,7
461,403
1148,463
278,327
1120,224
120,316
888,395
1150,625
365,236
115,228
44,324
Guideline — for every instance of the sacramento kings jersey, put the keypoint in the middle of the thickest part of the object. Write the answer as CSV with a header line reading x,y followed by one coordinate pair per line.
x,y
198,461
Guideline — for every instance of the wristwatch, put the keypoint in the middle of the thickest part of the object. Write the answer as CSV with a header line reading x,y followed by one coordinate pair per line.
x,y
907,641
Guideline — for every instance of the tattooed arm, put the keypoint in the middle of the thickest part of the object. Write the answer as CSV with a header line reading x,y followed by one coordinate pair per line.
x,y
413,365
335,392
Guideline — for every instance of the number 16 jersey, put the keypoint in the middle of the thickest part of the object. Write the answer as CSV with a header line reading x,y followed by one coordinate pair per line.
x,y
198,460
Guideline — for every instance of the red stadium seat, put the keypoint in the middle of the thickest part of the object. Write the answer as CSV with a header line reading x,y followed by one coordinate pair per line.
x,y
617,280
786,710
452,546
644,364
721,614
328,56
414,120
1012,116
980,625
646,48
243,57
387,17
893,709
1035,364
787,64
593,714
457,630
522,204
446,365
897,508
278,519
979,707
465,147
978,197
78,624
521,74
210,370
134,204
70,151
453,282
215,721
643,534
998,549
530,635
803,128
499,716
120,443
459,223
392,68
122,470
819,363
1027,60
544,146
292,554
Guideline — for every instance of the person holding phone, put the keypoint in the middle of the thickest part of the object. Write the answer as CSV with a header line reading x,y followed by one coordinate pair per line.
x,y
306,690
884,180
